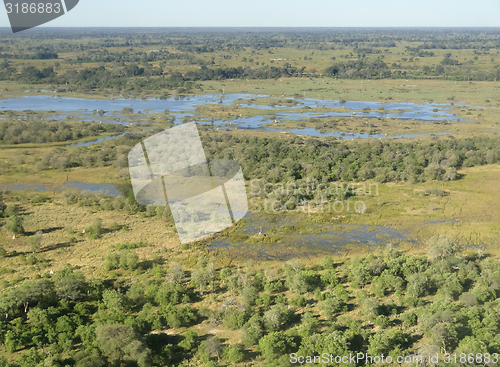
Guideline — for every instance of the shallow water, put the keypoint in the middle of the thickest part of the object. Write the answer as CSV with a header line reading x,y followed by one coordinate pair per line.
x,y
97,141
180,107
330,239
111,190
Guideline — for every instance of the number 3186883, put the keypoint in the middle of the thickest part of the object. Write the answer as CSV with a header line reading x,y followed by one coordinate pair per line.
x,y
33,8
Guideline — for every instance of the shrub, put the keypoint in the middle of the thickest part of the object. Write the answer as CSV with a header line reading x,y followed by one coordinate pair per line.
x,y
299,301
126,260
233,353
35,242
129,260
14,225
382,321
11,210
130,246
442,246
234,318
409,319
94,230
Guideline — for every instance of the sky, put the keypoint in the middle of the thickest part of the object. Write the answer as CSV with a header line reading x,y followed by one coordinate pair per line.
x,y
279,13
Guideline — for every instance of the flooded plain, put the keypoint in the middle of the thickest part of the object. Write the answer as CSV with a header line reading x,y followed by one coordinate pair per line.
x,y
181,108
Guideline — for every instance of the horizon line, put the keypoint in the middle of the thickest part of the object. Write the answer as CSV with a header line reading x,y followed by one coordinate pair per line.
x,y
264,27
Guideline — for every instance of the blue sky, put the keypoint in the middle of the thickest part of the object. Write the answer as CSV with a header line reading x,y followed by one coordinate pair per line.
x,y
279,13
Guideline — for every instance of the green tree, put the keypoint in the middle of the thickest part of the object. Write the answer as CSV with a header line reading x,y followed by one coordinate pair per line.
x,y
275,344
119,343
14,225
189,339
442,246
249,295
275,317
233,353
445,336
252,330
68,284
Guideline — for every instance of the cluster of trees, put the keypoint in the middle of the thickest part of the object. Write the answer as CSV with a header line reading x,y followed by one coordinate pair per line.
x,y
392,304
20,132
362,68
448,68
101,77
295,158
134,57
285,160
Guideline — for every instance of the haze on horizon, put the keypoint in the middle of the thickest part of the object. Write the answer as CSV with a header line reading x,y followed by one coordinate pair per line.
x,y
279,13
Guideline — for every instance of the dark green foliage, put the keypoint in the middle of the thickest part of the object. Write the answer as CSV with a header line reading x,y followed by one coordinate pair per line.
x,y
409,318
119,342
252,331
298,301
21,132
275,344
233,353
125,259
130,246
103,323
233,317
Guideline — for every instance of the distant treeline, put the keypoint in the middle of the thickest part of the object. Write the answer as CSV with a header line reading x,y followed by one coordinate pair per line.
x,y
40,55
137,77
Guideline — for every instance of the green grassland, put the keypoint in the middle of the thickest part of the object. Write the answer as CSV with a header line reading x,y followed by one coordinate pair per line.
x,y
469,204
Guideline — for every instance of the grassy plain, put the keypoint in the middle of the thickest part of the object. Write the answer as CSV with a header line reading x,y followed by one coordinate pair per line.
x,y
466,209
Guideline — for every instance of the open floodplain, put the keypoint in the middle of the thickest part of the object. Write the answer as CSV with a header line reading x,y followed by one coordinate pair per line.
x,y
371,169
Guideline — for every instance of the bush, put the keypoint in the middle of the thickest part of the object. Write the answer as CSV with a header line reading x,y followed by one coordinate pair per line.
x,y
130,246
11,210
234,318
14,225
31,259
233,354
35,242
71,196
94,230
126,260
442,246
129,260
299,301
409,319
382,321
